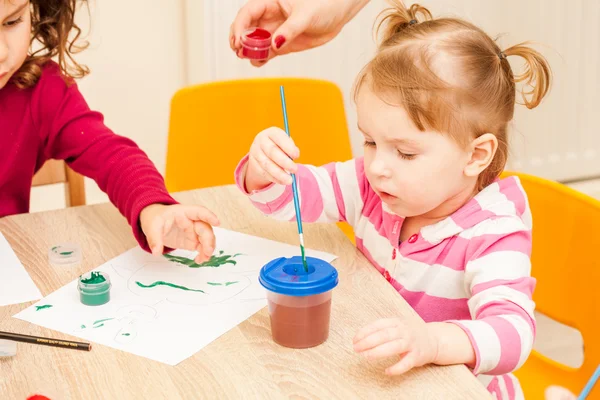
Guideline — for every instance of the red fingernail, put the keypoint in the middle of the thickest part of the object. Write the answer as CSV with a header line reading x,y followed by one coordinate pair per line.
x,y
279,41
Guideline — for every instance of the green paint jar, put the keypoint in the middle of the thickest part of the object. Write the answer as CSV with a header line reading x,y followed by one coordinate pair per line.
x,y
94,288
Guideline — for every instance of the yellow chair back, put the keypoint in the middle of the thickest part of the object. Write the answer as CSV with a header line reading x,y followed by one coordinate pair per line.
x,y
212,126
566,232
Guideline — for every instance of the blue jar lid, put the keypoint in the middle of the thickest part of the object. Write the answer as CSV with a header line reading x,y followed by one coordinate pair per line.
x,y
287,276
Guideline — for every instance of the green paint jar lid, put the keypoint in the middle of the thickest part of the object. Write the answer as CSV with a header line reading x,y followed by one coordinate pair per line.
x,y
94,288
66,254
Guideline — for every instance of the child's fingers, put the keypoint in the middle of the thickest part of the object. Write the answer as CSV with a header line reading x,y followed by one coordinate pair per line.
x,y
407,363
182,222
155,237
200,257
261,171
277,155
374,327
198,213
388,349
378,338
284,142
271,171
207,239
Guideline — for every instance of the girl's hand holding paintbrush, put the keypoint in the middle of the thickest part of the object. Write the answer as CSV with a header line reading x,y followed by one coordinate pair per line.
x,y
270,160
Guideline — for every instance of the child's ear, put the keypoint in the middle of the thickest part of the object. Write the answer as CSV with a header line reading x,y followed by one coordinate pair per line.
x,y
483,150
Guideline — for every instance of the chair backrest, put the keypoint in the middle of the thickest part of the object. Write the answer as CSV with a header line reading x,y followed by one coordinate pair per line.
x,y
212,126
566,235
57,171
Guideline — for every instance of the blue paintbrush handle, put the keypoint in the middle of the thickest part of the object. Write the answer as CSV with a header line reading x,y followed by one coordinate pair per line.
x,y
588,387
294,185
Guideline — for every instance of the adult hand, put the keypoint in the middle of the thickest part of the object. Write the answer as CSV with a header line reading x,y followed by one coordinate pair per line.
x,y
295,25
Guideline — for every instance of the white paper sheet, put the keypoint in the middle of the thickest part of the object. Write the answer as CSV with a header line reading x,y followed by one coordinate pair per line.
x,y
16,286
162,309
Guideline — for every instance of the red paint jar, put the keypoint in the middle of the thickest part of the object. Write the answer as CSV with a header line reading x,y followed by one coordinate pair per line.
x,y
256,43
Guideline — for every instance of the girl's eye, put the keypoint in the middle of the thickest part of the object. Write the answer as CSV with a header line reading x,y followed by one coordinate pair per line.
x,y
369,144
14,22
406,156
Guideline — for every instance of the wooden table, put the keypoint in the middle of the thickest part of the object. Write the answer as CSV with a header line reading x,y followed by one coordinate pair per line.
x,y
244,363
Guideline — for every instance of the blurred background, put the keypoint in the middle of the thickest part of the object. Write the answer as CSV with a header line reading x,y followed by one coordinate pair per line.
x,y
141,52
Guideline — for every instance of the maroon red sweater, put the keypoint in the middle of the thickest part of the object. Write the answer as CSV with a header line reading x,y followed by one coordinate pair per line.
x,y
53,121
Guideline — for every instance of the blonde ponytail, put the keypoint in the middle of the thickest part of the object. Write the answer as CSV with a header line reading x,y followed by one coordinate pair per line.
x,y
537,75
397,18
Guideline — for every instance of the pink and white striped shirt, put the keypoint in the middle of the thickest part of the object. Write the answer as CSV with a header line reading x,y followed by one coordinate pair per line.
x,y
471,269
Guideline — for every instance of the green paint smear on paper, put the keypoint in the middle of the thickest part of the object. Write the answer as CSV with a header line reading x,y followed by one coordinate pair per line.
x,y
214,262
94,279
100,322
163,283
221,284
38,308
125,334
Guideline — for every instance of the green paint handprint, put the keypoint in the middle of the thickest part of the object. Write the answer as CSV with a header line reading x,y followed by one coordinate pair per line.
x,y
214,262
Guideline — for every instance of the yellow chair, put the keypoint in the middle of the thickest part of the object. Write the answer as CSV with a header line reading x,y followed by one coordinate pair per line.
x,y
565,262
212,126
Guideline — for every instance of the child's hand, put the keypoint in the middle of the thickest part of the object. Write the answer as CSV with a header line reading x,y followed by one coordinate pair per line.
x,y
179,227
269,159
397,336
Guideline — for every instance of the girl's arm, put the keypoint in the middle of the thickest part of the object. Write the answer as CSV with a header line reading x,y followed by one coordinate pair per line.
x,y
500,335
72,132
498,277
330,193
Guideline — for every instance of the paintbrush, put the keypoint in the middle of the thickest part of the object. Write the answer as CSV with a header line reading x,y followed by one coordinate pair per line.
x,y
590,385
68,344
294,185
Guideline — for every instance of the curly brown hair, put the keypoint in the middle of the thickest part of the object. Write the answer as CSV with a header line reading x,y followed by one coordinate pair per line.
x,y
51,23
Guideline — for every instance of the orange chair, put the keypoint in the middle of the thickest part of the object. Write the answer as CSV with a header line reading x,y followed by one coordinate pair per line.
x,y
566,235
212,127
